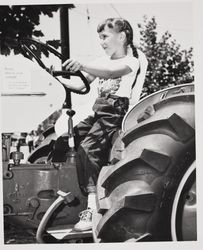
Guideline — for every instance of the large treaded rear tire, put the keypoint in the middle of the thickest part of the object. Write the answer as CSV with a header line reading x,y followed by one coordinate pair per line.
x,y
135,196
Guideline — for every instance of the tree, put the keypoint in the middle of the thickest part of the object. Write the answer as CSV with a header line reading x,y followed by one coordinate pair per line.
x,y
168,64
21,21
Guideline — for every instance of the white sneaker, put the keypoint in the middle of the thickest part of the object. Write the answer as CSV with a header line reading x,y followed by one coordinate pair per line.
x,y
85,222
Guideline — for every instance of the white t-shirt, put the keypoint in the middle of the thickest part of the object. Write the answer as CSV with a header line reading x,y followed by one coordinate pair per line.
x,y
121,86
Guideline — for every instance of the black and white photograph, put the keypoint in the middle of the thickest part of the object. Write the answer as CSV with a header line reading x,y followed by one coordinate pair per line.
x,y
98,124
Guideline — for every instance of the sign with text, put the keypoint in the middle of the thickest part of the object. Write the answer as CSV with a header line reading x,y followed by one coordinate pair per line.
x,y
16,79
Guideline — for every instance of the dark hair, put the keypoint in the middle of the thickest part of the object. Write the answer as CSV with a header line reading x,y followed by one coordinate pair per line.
x,y
119,25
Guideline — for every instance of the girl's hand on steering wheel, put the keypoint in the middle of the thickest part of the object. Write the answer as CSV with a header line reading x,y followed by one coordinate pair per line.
x,y
72,65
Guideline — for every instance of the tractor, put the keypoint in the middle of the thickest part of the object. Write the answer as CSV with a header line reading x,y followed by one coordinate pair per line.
x,y
147,191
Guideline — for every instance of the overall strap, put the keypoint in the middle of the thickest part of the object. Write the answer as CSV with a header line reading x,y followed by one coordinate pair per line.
x,y
140,76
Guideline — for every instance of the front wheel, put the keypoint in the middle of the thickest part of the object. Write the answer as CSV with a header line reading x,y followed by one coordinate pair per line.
x,y
149,194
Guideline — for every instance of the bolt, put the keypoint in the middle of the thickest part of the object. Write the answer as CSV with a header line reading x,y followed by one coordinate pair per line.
x,y
191,198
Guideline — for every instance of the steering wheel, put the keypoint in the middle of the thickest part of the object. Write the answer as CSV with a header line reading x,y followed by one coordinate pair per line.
x,y
30,48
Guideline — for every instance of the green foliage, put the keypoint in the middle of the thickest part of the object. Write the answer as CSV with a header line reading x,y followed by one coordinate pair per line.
x,y
168,64
21,21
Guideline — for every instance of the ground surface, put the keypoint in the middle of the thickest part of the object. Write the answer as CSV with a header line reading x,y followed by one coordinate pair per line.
x,y
14,235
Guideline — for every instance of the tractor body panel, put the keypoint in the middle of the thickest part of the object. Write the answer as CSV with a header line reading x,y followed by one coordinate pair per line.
x,y
29,190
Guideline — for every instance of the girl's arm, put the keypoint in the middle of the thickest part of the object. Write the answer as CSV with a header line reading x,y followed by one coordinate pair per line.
x,y
98,70
102,71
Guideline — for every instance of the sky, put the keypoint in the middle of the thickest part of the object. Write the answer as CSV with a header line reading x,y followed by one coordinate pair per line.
x,y
175,17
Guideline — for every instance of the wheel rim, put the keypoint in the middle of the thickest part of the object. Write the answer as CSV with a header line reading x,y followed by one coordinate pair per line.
x,y
183,218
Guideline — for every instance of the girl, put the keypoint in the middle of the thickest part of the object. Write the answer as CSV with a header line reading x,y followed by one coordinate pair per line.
x,y
116,73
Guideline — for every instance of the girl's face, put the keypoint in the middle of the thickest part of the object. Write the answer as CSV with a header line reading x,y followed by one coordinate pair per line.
x,y
111,41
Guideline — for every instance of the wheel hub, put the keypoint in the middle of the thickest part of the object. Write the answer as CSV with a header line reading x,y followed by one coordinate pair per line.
x,y
184,211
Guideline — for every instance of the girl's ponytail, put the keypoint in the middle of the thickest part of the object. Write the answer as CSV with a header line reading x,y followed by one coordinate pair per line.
x,y
129,36
134,50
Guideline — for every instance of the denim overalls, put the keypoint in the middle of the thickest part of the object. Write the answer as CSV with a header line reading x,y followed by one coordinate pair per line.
x,y
93,137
